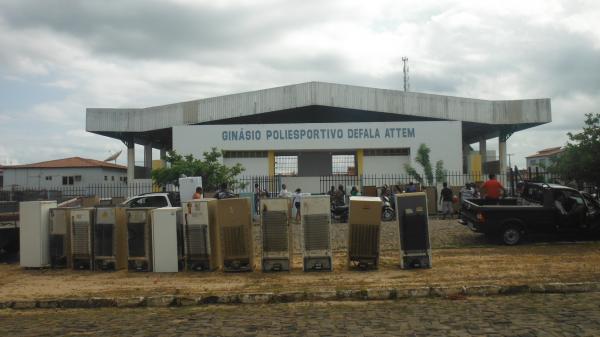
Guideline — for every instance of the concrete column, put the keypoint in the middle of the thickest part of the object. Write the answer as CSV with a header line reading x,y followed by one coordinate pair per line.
x,y
130,162
502,154
483,154
483,150
148,159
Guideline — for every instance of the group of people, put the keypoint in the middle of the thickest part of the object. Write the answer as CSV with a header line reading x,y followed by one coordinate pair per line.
x,y
492,189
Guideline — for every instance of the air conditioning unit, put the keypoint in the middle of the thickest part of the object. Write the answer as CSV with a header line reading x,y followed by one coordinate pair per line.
x,y
139,238
110,238
200,235
364,228
316,233
165,257
413,222
60,238
82,220
34,219
276,234
234,220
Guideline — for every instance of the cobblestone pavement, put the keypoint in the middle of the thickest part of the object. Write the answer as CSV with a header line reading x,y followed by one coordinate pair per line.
x,y
525,315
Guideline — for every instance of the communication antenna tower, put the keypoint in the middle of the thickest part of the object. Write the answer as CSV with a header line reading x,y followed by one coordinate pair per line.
x,y
405,69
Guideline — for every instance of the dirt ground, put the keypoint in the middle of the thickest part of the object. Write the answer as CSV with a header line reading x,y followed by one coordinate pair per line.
x,y
459,258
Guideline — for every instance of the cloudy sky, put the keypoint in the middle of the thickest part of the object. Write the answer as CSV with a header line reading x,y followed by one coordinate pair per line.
x,y
59,57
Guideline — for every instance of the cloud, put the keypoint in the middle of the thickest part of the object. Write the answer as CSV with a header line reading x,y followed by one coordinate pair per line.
x,y
145,53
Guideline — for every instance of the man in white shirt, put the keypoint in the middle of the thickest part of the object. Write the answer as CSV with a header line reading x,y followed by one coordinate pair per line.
x,y
284,192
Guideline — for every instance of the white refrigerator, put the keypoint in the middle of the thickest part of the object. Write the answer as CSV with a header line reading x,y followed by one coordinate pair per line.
x,y
164,240
34,236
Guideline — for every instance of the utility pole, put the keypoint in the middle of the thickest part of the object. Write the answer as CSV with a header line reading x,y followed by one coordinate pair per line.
x,y
405,70
509,155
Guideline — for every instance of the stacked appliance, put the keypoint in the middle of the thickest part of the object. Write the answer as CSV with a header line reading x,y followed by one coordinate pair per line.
x,y
139,238
60,238
110,239
33,233
82,220
276,234
364,232
165,257
200,235
234,220
315,226
413,222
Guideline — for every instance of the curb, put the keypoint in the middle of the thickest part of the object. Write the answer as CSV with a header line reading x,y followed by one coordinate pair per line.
x,y
376,294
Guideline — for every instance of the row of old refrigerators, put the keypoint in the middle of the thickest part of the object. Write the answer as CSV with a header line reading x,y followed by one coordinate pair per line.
x,y
210,234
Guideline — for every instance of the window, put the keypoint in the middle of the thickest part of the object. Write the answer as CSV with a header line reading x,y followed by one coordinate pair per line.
x,y
112,178
343,164
286,165
533,162
77,178
48,177
388,152
154,201
68,180
105,178
245,154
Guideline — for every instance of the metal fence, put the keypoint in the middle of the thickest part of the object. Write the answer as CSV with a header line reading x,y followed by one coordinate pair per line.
x,y
272,184
62,193
400,180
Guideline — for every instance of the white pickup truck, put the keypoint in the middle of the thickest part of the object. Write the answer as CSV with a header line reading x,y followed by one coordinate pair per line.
x,y
162,199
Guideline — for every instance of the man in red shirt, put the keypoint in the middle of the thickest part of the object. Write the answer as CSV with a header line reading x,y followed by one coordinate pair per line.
x,y
492,189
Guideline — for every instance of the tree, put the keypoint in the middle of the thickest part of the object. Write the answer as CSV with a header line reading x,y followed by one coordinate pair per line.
x,y
212,171
425,162
440,173
413,173
423,159
580,161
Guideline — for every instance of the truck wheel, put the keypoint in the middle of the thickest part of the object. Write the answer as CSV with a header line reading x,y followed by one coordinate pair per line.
x,y
512,235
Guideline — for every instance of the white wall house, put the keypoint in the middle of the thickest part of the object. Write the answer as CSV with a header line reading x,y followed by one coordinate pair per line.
x,y
543,158
73,171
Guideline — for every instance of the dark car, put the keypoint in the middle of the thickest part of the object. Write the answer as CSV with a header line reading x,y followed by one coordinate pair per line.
x,y
541,208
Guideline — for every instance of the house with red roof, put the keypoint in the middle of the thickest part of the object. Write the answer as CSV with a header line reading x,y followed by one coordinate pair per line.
x,y
543,158
74,171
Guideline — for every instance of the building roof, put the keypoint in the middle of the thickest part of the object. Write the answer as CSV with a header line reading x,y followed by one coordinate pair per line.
x,y
72,162
551,151
319,102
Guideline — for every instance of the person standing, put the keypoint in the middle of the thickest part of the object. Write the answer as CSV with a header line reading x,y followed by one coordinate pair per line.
x,y
198,194
466,192
224,192
340,196
492,189
411,187
446,200
257,194
284,192
297,198
354,191
331,194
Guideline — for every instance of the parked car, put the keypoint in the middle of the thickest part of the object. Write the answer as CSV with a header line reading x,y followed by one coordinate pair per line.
x,y
541,208
163,199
